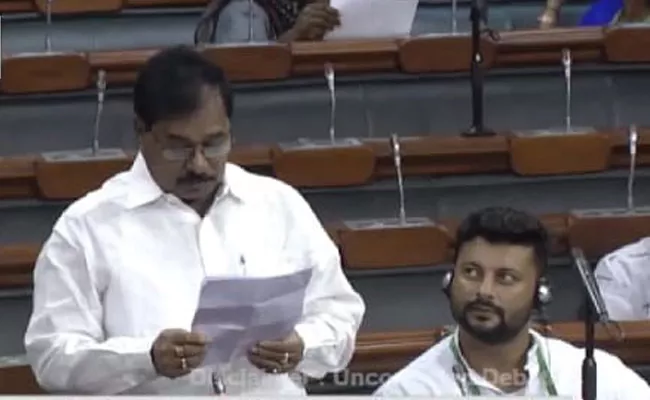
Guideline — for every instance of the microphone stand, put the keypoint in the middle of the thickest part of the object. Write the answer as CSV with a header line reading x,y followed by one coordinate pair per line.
x,y
476,74
595,311
589,363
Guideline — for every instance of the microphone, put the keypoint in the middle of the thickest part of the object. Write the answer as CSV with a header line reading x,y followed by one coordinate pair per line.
x,y
595,310
340,143
594,295
454,17
567,63
48,27
397,160
633,141
329,77
101,90
589,281
250,20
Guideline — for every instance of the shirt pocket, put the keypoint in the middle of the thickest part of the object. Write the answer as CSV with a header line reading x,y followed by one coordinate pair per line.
x,y
267,251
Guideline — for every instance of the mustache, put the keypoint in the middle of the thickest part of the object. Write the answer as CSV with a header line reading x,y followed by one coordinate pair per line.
x,y
480,303
193,179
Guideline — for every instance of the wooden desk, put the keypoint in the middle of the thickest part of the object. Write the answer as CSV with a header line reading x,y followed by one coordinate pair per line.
x,y
25,73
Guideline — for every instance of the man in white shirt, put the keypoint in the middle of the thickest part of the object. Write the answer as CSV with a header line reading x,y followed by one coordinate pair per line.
x,y
495,284
624,280
116,284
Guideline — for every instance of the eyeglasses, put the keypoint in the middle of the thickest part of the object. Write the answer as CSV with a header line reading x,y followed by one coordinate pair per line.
x,y
185,153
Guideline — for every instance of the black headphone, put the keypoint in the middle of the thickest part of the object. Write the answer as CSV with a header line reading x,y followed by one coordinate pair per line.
x,y
543,290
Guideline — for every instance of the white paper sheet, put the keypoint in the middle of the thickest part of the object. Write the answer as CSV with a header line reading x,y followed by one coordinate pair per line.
x,y
236,313
367,19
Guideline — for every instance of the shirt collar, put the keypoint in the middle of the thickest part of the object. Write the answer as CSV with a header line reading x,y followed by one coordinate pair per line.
x,y
532,367
143,190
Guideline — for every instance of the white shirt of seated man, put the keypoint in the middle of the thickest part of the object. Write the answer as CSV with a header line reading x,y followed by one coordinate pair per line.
x,y
117,283
499,259
624,280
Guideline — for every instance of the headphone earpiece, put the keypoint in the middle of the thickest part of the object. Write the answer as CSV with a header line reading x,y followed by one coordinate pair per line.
x,y
446,283
543,297
544,294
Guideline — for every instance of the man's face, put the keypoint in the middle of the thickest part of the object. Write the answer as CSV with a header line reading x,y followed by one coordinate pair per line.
x,y
186,156
493,289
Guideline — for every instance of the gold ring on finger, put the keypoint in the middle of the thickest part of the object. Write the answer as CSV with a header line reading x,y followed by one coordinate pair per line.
x,y
179,351
183,364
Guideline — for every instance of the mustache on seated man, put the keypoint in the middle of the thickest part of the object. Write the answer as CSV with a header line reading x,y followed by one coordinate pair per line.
x,y
496,284
233,21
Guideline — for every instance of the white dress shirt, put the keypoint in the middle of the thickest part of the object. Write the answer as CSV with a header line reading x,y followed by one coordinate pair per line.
x,y
624,280
127,261
432,374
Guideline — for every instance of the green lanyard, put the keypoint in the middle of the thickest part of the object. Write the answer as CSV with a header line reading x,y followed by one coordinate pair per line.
x,y
549,385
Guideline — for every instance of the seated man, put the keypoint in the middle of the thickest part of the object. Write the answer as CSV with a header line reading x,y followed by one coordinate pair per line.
x,y
117,283
235,21
496,283
624,280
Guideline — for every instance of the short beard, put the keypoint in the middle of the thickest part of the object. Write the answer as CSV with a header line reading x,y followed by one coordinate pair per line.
x,y
503,332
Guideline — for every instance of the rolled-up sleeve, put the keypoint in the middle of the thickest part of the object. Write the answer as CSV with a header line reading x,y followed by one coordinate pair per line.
x,y
333,310
65,341
622,282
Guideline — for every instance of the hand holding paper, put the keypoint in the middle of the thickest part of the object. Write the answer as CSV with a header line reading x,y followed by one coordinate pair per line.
x,y
237,313
277,356
176,352
314,21
369,19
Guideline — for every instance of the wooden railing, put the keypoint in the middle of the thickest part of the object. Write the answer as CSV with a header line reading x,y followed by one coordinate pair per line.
x,y
388,352
40,72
